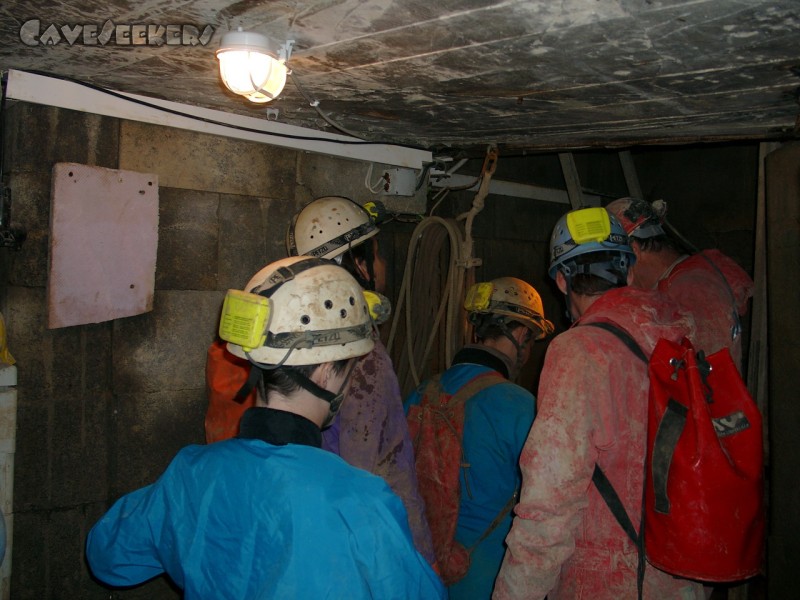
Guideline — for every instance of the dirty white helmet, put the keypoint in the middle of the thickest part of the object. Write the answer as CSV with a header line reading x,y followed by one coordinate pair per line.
x,y
512,298
298,311
327,226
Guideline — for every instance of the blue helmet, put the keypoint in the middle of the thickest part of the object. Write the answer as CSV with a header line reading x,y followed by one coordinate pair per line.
x,y
587,231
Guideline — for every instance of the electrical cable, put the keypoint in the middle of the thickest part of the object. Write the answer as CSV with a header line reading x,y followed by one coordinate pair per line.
x,y
377,186
358,142
315,105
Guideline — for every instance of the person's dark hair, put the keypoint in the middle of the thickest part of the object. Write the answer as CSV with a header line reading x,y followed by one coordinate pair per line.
x,y
365,252
588,284
278,381
657,243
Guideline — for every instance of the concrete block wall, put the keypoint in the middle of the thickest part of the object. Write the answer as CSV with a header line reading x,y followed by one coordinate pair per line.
x,y
104,407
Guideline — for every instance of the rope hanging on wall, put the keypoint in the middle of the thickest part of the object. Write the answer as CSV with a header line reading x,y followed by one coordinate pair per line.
x,y
443,250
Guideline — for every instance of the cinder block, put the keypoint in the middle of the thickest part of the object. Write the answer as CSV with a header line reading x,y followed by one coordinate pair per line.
x,y
187,240
31,555
149,431
244,238
79,436
42,135
164,350
199,161
30,199
31,461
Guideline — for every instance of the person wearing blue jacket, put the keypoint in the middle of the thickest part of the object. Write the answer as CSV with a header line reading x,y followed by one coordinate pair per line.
x,y
508,317
269,514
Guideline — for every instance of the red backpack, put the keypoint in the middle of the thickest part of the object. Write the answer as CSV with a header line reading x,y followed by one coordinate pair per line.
x,y
703,514
436,426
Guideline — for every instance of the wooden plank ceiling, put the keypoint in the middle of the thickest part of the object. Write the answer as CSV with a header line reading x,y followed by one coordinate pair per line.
x,y
535,74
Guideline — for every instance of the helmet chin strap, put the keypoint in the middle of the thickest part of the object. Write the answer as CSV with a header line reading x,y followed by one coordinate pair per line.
x,y
519,347
334,400
568,301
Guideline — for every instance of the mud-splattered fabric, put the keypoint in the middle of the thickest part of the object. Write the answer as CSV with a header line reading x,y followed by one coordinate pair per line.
x,y
496,425
701,289
592,406
373,435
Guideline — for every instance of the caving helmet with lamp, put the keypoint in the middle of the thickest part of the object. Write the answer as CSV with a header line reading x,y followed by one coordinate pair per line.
x,y
503,301
299,311
328,226
332,225
590,231
509,299
639,218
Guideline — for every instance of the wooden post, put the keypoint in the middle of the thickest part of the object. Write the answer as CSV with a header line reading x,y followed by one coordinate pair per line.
x,y
782,212
629,171
573,181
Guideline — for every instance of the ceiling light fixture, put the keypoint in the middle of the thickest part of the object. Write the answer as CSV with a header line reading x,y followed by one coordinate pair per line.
x,y
251,67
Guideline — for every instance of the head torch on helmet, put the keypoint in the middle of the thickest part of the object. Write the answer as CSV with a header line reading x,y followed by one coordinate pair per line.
x,y
328,226
639,218
590,231
299,311
511,299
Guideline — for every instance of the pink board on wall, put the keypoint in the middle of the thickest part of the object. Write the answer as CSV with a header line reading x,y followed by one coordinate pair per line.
x,y
103,241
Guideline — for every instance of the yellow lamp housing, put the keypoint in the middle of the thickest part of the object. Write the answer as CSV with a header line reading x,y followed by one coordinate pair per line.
x,y
379,306
589,225
244,320
479,296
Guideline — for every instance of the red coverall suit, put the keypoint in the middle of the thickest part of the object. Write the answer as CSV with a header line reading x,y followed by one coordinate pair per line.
x,y
592,407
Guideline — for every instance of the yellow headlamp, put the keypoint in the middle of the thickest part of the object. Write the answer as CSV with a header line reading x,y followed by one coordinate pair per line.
x,y
589,225
479,296
244,320
379,306
245,317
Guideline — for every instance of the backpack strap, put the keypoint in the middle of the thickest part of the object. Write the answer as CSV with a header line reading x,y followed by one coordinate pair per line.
x,y
611,498
625,337
601,482
497,520
467,391
476,385
473,387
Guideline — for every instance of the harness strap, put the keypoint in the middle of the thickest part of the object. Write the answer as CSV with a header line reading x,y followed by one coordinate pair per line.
x,y
248,386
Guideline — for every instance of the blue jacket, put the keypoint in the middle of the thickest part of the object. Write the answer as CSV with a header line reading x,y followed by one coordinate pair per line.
x,y
247,519
496,425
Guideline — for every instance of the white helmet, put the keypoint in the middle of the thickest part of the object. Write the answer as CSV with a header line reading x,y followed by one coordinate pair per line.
x,y
512,298
327,227
298,311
